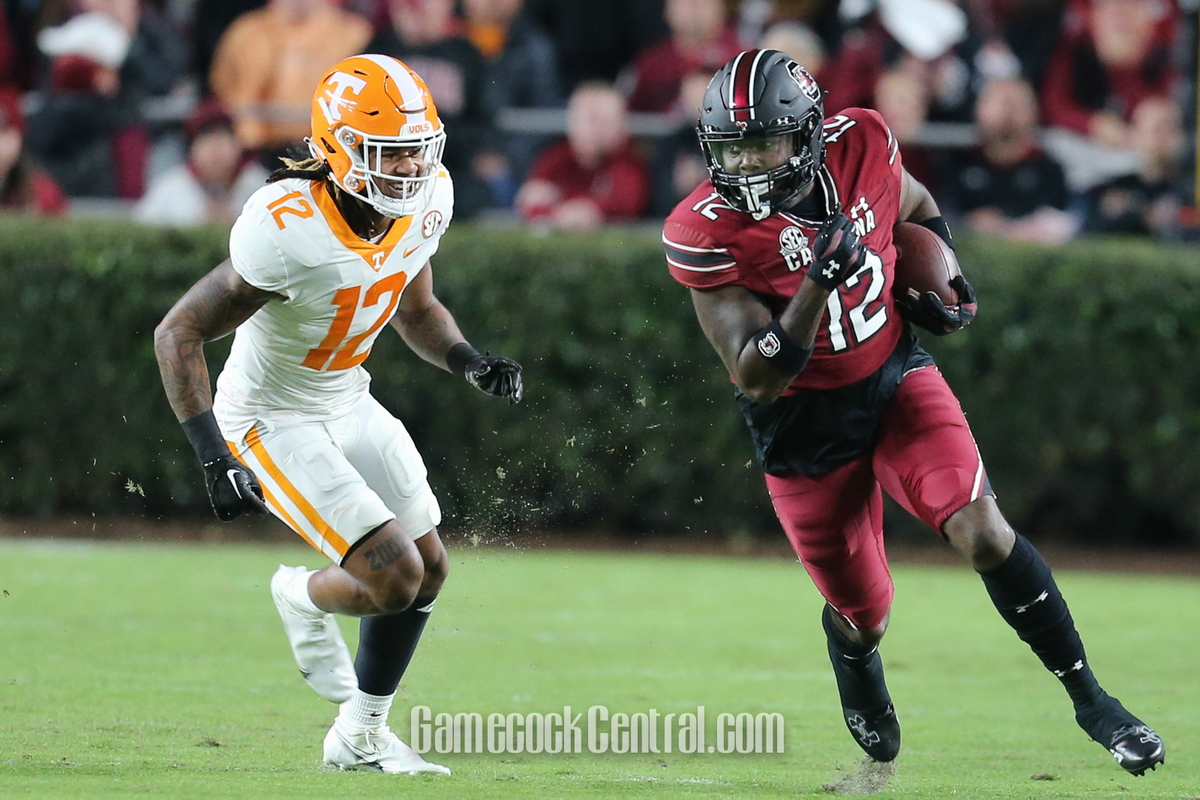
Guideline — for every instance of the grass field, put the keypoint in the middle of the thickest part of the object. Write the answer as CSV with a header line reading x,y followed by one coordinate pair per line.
x,y
161,671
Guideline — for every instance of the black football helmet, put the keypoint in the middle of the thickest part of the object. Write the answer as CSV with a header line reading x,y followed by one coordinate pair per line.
x,y
762,110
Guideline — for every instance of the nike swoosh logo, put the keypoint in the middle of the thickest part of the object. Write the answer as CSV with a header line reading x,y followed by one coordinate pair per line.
x,y
232,474
412,250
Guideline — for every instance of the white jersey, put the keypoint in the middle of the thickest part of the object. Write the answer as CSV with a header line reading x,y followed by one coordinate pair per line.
x,y
302,355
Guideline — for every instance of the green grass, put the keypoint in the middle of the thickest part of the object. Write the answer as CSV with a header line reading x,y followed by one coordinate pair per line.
x,y
160,671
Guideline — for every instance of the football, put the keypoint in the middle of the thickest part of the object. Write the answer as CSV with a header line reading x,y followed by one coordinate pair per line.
x,y
924,263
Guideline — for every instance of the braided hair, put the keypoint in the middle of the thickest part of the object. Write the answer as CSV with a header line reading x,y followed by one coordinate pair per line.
x,y
353,209
312,169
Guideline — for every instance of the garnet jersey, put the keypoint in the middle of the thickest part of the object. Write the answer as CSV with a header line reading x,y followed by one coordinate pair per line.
x,y
304,353
709,245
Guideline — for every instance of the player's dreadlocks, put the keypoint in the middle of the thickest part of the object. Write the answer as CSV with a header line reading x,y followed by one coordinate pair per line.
x,y
313,169
316,169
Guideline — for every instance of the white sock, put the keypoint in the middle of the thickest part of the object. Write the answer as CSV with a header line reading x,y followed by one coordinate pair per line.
x,y
297,593
364,712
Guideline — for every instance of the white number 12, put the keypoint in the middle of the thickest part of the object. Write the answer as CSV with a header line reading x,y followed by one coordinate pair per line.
x,y
862,325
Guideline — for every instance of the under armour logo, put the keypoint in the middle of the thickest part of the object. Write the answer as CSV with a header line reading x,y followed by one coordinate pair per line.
x,y
858,726
1038,599
1148,736
831,269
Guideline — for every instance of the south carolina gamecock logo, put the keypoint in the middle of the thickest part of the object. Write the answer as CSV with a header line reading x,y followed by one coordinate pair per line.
x,y
769,345
805,81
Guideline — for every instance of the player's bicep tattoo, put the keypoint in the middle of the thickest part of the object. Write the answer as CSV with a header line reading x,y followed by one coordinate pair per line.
x,y
214,306
219,302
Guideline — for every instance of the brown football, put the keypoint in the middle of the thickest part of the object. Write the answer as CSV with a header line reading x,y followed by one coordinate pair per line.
x,y
924,263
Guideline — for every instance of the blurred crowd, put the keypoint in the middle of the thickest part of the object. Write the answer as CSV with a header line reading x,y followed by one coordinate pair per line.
x,y
1030,119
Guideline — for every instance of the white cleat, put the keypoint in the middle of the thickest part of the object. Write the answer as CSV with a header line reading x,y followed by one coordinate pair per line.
x,y
378,749
317,643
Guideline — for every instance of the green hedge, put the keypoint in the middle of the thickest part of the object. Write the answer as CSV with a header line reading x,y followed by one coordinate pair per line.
x,y
1079,379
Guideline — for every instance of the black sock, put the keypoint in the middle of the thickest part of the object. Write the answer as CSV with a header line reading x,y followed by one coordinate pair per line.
x,y
1024,592
386,644
857,668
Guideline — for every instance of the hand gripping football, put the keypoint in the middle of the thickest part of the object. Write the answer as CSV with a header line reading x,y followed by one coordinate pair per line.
x,y
924,263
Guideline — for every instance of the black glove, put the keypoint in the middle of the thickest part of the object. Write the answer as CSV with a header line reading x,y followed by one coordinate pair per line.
x,y
496,375
929,312
233,489
839,251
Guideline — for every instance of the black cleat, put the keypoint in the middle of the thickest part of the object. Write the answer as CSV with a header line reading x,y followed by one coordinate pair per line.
x,y
1134,745
877,733
860,683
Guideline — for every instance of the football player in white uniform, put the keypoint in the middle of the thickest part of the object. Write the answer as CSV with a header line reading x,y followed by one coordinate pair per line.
x,y
322,258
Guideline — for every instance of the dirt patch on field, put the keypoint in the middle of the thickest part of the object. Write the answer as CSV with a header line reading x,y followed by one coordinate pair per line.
x,y
266,531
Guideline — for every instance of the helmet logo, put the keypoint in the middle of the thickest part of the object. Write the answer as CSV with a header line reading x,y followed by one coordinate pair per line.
x,y
335,101
808,86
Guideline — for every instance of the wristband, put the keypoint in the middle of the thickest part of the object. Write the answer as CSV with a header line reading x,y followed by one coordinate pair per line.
x,y
459,356
205,437
773,344
938,225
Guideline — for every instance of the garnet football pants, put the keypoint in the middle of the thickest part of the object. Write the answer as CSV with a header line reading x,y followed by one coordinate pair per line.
x,y
925,459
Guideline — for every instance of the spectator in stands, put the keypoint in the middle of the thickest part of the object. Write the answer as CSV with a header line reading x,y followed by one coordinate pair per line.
x,y
1111,55
596,40
1007,186
269,59
1031,28
678,166
212,185
521,72
209,20
157,59
89,137
596,175
799,42
23,185
1148,202
426,36
700,40
902,98
951,52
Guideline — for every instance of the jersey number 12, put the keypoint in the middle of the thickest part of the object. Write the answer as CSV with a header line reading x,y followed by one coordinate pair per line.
x,y
335,351
863,322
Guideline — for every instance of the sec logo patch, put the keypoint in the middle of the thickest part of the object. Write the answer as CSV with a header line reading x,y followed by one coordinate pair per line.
x,y
431,223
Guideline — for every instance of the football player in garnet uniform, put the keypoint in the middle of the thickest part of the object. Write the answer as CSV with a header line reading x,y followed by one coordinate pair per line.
x,y
322,258
788,253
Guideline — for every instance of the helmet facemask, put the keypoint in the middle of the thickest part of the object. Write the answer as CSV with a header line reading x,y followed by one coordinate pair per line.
x,y
772,189
393,196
